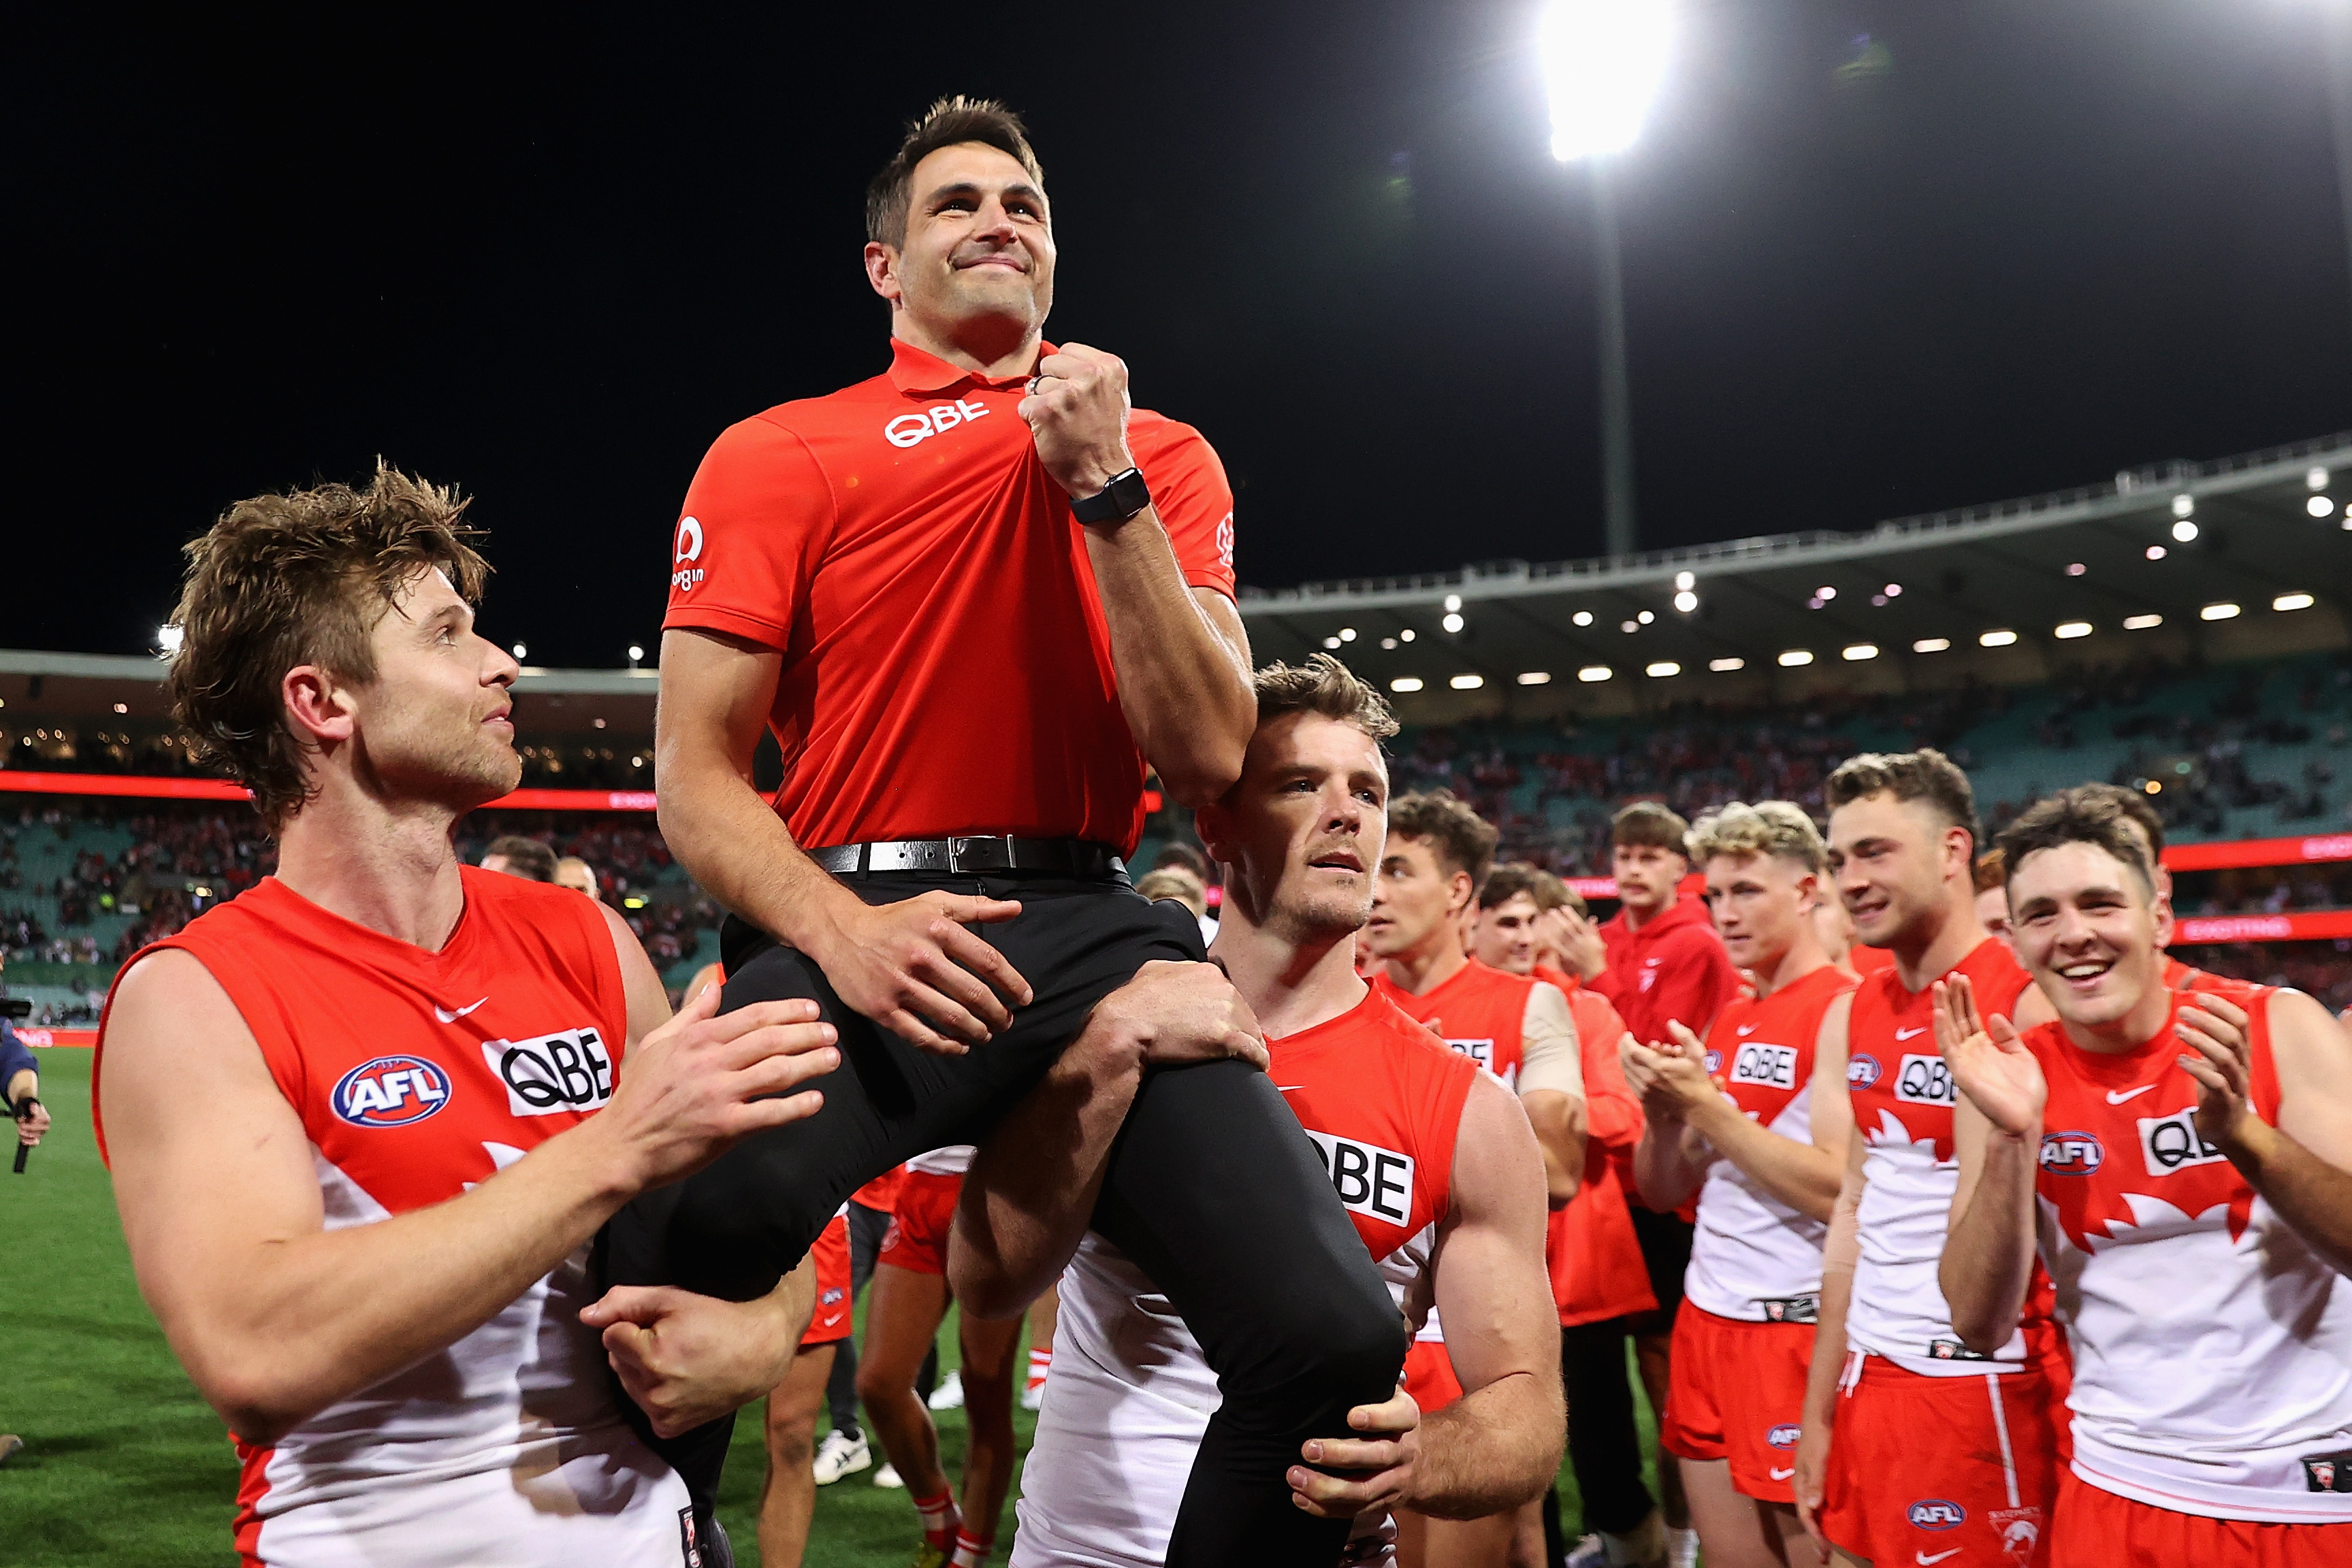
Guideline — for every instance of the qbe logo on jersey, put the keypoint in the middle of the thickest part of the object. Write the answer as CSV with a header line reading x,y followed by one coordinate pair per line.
x,y
1926,1080
2170,1144
390,1092
1370,1180
566,1070
1772,1066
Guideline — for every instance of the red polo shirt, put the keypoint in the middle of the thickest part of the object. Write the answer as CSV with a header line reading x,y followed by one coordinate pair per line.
x,y
1673,968
947,667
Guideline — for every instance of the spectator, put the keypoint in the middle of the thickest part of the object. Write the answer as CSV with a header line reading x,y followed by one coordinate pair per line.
x,y
577,874
1173,882
518,856
1993,894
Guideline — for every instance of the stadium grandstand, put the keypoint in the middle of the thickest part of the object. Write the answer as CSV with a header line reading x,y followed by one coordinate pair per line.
x,y
2180,629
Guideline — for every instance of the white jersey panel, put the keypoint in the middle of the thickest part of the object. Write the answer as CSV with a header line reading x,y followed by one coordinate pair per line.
x,y
953,1160
1897,1309
1749,1248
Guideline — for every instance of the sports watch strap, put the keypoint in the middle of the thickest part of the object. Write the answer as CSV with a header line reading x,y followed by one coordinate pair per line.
x,y
1125,495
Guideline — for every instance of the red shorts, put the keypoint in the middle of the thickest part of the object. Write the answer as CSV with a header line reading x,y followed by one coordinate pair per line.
x,y
1429,1375
830,1323
918,1236
1921,1466
2095,1526
1739,1394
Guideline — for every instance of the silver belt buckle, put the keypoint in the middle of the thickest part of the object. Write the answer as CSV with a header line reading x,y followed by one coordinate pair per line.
x,y
955,855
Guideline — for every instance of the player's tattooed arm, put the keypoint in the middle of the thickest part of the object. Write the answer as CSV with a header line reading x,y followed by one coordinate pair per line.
x,y
1034,1184
2301,1166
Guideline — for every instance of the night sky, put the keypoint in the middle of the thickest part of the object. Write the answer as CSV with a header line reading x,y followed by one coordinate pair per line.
x,y
1881,258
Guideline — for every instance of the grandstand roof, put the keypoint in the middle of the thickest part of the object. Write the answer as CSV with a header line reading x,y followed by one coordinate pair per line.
x,y
2072,558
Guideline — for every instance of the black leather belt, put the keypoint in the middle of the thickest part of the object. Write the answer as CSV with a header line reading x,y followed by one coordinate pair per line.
x,y
1069,857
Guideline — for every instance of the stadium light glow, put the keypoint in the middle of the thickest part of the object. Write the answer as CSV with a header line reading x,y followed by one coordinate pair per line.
x,y
2183,506
2000,638
2183,531
1646,617
2075,568
2315,479
1725,666
1793,657
1405,636
2225,610
1467,682
637,652
1662,669
1591,673
1855,653
2141,622
2072,629
1452,603
167,639
1405,684
1582,618
1685,581
1452,621
1389,642
2284,601
1331,642
1602,62
1893,591
521,653
2156,552
1931,645
1629,626
2320,506
1347,633
1534,677
1685,600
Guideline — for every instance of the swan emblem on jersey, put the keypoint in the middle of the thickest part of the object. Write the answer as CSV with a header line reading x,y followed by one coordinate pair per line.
x,y
390,1091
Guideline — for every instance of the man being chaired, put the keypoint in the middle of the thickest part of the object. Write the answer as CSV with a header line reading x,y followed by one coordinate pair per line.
x,y
1432,1158
2185,1159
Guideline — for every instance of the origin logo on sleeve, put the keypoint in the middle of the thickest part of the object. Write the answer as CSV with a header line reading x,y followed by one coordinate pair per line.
x,y
390,1091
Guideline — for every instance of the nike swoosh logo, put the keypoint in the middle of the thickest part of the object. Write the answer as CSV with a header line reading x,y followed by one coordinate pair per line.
x,y
1780,1475
1906,1034
445,1016
1923,1559
1286,1088
1747,1028
2115,1099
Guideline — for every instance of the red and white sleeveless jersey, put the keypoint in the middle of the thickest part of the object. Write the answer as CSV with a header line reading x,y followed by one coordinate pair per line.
x,y
2212,1347
1902,1100
1752,1256
1477,1010
1132,1393
417,1075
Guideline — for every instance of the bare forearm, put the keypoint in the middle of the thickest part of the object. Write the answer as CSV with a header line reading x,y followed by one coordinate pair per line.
x,y
2313,1197
1490,1450
1802,1176
1829,1348
1663,1172
1184,687
1989,1254
1559,1121
25,1083
1031,1186
733,843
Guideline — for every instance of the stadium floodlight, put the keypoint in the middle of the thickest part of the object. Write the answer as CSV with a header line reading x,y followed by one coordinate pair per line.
x,y
1467,682
1452,603
2000,637
1893,591
2075,568
1629,626
1582,618
2320,506
1603,61
2315,478
1330,642
1855,653
1405,636
2142,622
1685,600
1793,657
2183,506
1662,669
1452,621
521,653
2070,630
2292,602
1390,643
1685,581
1931,645
1646,617
1534,677
2156,552
167,640
1347,633
2184,531
2224,611
1725,666
1591,673
1405,684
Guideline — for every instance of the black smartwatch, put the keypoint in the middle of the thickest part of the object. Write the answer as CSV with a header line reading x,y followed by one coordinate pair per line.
x,y
1125,495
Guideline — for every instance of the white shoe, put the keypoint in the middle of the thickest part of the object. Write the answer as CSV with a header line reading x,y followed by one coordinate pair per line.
x,y
1034,1397
841,1455
887,1477
1588,1553
1682,1548
949,1395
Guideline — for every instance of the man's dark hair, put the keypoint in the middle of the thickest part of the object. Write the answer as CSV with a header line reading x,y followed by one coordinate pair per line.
x,y
1324,686
526,858
1926,774
1184,855
300,579
1463,840
2134,804
2077,816
948,123
1512,878
1646,823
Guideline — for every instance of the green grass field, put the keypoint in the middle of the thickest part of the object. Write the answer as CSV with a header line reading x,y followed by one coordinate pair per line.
x,y
124,1463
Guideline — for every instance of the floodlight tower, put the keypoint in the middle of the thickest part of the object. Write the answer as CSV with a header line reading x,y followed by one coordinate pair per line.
x,y
1602,61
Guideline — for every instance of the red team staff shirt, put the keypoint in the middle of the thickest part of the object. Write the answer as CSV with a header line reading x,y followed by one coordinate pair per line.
x,y
1673,968
947,666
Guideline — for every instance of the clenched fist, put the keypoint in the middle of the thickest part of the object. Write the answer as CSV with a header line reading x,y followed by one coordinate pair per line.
x,y
1076,410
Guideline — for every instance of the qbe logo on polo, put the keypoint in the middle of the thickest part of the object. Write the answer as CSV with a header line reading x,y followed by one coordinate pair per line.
x,y
2170,1144
1936,1513
911,429
1773,1066
1370,1180
566,1070
2072,1153
390,1092
1926,1080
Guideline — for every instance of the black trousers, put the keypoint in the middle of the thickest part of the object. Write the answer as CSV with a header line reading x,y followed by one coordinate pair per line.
x,y
1211,1190
1604,1450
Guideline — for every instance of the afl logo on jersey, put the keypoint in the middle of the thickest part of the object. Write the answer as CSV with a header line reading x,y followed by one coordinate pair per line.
x,y
390,1092
1936,1513
2072,1153
1861,1072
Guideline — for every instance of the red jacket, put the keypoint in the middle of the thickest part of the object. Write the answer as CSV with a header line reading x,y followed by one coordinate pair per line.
x,y
1673,968
1590,1248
